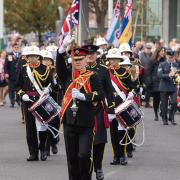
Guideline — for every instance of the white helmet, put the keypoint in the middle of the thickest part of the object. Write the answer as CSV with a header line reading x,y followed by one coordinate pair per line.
x,y
126,61
101,41
51,48
46,54
124,47
24,51
113,54
33,50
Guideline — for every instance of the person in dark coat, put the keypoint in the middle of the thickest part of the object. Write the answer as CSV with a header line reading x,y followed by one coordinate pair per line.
x,y
101,109
83,87
157,58
11,71
145,59
167,87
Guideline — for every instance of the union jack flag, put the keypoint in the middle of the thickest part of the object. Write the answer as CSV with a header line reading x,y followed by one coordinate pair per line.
x,y
71,21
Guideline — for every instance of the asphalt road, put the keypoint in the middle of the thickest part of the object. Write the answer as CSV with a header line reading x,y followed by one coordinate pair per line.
x,y
157,159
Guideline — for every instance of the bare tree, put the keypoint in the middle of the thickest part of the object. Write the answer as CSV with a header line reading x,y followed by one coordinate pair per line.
x,y
99,8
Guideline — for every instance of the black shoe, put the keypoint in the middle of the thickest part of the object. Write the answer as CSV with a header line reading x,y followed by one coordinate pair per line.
x,y
43,155
123,161
165,122
115,162
156,118
130,154
47,153
99,174
54,149
12,106
33,158
173,122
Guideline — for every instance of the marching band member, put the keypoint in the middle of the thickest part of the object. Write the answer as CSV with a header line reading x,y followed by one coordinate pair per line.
x,y
125,50
83,87
49,62
102,50
33,78
101,109
116,131
167,87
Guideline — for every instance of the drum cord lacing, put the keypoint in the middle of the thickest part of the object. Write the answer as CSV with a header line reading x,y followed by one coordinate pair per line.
x,y
131,140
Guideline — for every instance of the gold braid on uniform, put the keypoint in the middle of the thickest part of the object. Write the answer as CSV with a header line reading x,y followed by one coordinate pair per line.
x,y
41,77
122,76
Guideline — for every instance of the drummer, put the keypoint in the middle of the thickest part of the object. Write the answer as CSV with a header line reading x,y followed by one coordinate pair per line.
x,y
49,62
131,83
121,81
33,78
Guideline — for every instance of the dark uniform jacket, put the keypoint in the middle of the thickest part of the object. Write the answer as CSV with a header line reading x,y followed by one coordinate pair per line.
x,y
24,85
125,79
154,76
103,74
11,66
167,84
85,113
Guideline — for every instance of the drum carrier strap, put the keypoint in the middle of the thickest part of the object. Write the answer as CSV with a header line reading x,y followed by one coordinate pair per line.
x,y
33,81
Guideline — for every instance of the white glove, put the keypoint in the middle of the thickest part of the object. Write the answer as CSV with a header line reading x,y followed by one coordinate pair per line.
x,y
25,97
130,95
68,40
69,60
61,50
76,94
111,117
46,90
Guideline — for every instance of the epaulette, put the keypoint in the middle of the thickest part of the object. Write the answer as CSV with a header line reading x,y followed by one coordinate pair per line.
x,y
104,66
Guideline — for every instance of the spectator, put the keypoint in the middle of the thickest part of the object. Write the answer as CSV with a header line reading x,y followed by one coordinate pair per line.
x,y
157,57
11,70
3,82
145,57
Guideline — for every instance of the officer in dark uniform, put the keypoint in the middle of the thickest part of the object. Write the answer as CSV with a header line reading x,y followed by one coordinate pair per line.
x,y
29,94
101,109
167,87
11,71
78,119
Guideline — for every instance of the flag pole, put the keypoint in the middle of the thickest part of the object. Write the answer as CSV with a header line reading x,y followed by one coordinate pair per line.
x,y
135,23
74,107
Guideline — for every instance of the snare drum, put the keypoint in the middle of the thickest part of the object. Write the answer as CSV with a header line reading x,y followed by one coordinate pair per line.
x,y
45,109
128,114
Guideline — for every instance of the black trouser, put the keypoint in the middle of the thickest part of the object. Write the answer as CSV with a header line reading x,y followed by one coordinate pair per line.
x,y
11,91
116,137
147,94
164,104
156,102
78,143
31,132
98,153
50,139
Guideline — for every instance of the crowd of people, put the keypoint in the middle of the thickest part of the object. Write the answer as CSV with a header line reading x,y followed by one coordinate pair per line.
x,y
84,88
